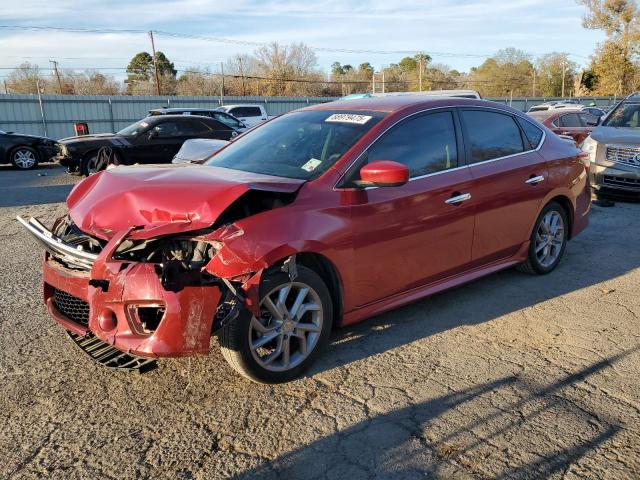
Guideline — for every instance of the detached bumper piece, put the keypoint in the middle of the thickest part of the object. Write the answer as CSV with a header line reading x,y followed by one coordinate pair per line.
x,y
110,357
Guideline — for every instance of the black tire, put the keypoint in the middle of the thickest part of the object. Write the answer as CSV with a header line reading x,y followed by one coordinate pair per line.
x,y
533,265
24,158
234,337
86,161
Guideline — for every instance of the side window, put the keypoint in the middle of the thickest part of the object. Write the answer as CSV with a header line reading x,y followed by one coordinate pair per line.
x,y
588,119
189,128
570,120
532,133
491,135
246,112
426,144
167,129
226,119
215,125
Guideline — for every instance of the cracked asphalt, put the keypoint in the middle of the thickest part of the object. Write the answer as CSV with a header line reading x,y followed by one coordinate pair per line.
x,y
511,376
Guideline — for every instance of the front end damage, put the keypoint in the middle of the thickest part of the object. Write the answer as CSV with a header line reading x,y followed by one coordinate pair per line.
x,y
143,263
147,298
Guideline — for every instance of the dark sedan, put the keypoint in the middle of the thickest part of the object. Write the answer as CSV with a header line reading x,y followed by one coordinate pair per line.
x,y
25,151
151,140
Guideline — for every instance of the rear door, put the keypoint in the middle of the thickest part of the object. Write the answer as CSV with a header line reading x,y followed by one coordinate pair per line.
x,y
411,235
510,180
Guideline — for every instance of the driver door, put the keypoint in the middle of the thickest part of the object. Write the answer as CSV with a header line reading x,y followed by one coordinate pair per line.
x,y
408,236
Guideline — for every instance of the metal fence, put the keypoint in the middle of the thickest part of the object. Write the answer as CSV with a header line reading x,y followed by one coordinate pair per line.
x,y
54,115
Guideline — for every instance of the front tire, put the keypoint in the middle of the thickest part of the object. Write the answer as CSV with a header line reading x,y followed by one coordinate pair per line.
x,y
548,241
293,326
24,158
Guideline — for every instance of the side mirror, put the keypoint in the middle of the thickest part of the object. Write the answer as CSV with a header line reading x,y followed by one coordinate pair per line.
x,y
153,134
383,173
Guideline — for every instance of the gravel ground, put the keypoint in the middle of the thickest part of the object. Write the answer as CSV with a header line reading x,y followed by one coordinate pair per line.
x,y
509,377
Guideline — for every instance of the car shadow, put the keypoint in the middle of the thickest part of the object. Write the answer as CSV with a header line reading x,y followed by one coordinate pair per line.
x,y
593,257
47,183
420,441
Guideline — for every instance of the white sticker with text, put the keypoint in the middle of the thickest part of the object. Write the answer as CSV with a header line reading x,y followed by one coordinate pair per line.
x,y
349,118
311,165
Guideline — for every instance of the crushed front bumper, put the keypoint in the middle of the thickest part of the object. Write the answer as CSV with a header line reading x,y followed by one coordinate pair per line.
x,y
120,297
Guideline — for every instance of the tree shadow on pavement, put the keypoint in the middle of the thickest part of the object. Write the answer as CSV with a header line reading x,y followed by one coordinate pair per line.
x,y
595,256
421,440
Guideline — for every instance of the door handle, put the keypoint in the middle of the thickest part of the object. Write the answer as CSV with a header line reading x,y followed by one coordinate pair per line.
x,y
565,133
535,180
463,197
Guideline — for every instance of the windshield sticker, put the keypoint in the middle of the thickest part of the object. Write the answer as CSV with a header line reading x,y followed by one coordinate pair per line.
x,y
311,165
144,124
349,118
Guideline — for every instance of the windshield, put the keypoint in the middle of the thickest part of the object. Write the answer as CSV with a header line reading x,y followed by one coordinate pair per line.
x,y
300,145
134,129
227,120
626,115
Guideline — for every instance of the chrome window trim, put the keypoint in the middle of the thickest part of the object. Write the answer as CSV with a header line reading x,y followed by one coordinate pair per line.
x,y
460,167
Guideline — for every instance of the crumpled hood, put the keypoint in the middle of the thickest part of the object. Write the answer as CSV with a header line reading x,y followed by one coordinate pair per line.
x,y
162,199
615,135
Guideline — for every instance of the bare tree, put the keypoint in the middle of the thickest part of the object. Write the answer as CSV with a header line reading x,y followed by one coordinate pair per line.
x,y
25,79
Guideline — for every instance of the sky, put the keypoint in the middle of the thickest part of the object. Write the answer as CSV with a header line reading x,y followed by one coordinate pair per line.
x,y
460,34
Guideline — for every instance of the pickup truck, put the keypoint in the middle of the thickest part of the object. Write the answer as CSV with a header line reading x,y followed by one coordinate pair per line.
x,y
249,114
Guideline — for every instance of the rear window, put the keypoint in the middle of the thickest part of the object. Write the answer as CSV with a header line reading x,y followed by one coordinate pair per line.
x,y
246,112
491,135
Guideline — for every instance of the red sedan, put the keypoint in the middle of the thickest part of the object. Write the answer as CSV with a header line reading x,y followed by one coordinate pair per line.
x,y
324,216
576,124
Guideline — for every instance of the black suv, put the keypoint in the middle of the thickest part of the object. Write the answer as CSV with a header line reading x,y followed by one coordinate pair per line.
x,y
223,117
153,139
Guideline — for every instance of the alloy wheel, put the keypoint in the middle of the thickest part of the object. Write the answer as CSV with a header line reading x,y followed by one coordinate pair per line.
x,y
24,158
549,238
289,327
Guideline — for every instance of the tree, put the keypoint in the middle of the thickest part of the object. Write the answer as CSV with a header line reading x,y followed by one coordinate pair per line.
x,y
366,70
614,72
283,63
509,71
141,75
25,79
620,20
549,71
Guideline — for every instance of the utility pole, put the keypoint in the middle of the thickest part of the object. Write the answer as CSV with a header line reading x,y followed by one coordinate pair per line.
x,y
533,93
155,62
242,73
6,90
563,74
383,82
55,69
373,82
420,57
222,84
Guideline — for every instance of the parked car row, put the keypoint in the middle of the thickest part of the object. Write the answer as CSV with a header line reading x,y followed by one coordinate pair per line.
x,y
25,151
323,216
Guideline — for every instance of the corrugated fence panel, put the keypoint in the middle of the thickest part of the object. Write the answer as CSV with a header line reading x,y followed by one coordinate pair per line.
x,y
22,113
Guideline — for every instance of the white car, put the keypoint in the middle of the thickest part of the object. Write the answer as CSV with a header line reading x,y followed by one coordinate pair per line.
x,y
249,114
198,150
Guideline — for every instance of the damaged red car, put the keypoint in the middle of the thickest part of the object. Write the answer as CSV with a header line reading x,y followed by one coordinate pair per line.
x,y
322,217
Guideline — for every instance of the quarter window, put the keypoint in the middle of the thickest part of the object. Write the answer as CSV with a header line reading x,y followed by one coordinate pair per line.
x,y
532,133
491,135
426,144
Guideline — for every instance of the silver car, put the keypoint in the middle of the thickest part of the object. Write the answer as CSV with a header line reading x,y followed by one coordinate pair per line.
x,y
614,150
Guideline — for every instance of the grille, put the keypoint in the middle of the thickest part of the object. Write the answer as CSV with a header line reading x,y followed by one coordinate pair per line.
x,y
106,355
625,155
621,181
71,307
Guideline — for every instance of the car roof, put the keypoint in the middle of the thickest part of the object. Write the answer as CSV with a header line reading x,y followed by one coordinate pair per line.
x,y
185,109
391,104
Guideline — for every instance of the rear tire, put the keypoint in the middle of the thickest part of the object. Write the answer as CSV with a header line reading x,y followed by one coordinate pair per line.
x,y
24,158
548,241
282,343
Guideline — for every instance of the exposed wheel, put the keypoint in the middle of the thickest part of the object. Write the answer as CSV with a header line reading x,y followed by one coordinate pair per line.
x,y
548,241
99,160
294,324
24,158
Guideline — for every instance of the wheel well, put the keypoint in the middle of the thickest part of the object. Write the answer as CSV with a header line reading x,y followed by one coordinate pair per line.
x,y
323,267
568,208
35,151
